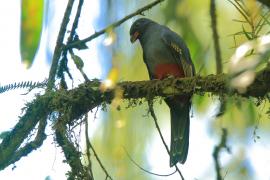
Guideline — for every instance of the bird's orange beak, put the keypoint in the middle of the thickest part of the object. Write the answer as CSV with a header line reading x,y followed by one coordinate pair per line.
x,y
134,37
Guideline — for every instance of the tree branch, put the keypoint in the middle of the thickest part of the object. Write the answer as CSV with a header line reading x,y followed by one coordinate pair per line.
x,y
78,101
87,96
76,21
59,44
215,36
36,111
216,153
33,145
87,140
113,25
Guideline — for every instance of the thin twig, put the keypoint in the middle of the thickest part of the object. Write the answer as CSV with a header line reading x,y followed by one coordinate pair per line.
x,y
145,170
72,36
217,49
75,22
151,109
73,33
113,25
88,154
217,150
215,36
99,162
59,44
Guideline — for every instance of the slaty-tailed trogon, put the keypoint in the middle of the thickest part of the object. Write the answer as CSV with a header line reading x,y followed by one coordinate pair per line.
x,y
166,54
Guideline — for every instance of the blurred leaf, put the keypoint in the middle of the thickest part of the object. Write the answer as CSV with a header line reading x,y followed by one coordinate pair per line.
x,y
251,114
31,27
78,61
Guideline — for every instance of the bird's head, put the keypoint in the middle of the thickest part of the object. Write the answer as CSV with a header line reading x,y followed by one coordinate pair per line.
x,y
138,28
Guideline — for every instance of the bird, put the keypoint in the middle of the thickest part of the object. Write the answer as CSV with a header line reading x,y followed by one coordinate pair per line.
x,y
165,54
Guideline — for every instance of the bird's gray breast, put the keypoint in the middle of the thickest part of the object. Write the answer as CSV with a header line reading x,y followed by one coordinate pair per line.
x,y
155,51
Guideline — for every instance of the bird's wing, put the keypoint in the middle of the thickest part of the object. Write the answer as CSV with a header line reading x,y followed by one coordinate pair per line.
x,y
179,51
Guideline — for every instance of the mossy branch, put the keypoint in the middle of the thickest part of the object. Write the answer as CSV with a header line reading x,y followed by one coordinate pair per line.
x,y
213,16
59,44
88,95
73,104
10,150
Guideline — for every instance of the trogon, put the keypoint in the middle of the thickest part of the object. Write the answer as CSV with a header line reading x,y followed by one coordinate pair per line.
x,y
166,54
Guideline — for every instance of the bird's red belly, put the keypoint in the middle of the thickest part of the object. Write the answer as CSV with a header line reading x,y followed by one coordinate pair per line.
x,y
165,70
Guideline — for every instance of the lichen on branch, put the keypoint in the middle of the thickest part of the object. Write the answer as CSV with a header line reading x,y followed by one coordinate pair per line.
x,y
88,95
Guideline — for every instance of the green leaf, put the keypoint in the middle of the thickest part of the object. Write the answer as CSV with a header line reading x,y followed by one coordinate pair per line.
x,y
31,27
78,61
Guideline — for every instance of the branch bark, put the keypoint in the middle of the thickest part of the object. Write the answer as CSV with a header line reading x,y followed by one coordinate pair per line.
x,y
76,102
215,36
217,151
36,112
33,145
59,44
88,95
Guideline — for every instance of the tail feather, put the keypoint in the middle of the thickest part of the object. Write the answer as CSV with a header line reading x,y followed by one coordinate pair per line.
x,y
179,132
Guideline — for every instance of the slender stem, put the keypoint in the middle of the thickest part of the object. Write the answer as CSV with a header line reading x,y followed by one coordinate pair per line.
x,y
88,154
215,36
76,21
100,163
217,151
145,170
59,45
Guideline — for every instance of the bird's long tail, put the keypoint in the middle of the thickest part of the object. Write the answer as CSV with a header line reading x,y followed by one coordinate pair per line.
x,y
179,131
